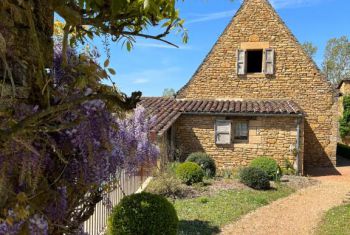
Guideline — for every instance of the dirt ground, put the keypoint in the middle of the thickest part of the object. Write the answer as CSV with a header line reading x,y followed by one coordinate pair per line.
x,y
299,213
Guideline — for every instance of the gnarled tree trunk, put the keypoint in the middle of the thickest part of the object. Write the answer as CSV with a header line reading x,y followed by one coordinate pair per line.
x,y
27,28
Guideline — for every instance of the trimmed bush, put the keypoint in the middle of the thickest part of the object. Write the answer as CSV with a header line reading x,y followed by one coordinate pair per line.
x,y
189,173
255,178
205,162
167,185
343,150
268,165
143,214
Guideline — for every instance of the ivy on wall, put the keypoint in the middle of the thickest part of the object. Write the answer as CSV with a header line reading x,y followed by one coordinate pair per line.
x,y
345,120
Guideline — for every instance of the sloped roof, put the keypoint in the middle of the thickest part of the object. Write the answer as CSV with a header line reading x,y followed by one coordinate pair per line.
x,y
167,110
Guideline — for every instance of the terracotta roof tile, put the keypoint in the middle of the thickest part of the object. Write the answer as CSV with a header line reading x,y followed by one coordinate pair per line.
x,y
168,110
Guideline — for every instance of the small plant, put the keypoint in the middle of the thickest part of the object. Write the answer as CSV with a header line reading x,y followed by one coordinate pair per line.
x,y
190,173
228,173
268,165
143,213
166,184
206,162
289,168
203,200
255,178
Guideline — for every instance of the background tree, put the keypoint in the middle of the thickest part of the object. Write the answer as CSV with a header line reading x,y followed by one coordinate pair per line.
x,y
310,48
336,64
60,140
169,92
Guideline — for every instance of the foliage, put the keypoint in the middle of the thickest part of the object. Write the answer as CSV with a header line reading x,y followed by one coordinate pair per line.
x,y
288,167
143,213
169,92
255,178
335,221
189,173
228,173
123,19
343,150
166,184
344,123
310,48
63,140
58,167
205,162
336,62
222,208
268,165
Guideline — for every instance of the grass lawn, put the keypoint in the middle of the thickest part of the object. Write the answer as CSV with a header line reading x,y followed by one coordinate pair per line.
x,y
336,221
205,215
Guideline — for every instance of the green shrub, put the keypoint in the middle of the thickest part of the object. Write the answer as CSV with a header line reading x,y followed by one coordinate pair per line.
x,y
343,150
143,214
205,162
255,178
171,167
167,185
190,173
268,165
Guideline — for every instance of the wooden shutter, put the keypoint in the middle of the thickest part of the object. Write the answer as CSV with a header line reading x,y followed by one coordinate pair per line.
x,y
241,62
269,61
223,132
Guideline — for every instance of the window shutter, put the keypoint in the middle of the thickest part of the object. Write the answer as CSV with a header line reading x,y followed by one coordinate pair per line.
x,y
269,61
241,62
223,132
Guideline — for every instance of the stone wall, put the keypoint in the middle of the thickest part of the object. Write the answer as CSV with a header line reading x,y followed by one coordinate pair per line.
x,y
296,77
268,136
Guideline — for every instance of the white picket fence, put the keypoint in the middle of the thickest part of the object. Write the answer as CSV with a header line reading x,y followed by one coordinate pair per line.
x,y
128,184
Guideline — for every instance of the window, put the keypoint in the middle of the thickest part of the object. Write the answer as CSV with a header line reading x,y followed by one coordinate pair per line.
x,y
241,131
254,61
223,132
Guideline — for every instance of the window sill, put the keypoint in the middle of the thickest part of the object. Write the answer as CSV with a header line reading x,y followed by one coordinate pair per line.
x,y
255,75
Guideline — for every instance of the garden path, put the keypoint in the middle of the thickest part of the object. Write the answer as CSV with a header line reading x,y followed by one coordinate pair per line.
x,y
299,213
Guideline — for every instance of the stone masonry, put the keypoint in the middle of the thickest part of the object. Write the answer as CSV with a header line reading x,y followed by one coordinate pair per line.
x,y
268,136
296,77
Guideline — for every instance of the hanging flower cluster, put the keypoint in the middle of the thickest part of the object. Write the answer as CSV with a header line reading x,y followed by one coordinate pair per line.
x,y
52,176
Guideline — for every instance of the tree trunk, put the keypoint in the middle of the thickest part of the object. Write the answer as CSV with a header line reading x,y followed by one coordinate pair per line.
x,y
27,27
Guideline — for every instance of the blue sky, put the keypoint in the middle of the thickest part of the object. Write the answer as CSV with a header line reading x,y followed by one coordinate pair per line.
x,y
152,66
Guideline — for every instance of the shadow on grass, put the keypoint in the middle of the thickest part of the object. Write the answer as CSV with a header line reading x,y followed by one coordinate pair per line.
x,y
197,227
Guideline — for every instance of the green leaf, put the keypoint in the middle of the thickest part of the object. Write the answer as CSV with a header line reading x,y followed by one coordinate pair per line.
x,y
106,63
128,45
146,4
111,71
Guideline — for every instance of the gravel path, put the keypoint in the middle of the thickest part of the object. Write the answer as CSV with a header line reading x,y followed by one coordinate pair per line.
x,y
297,214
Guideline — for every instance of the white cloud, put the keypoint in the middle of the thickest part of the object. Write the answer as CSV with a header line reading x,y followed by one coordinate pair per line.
x,y
159,45
150,75
278,4
211,17
140,81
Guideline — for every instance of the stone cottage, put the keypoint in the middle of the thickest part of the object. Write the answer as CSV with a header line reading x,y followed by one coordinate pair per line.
x,y
257,93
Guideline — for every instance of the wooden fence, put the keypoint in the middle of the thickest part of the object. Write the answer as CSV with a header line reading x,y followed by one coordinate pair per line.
x,y
128,184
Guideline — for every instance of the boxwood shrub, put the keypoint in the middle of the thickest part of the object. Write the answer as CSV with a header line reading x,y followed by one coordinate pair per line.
x,y
268,165
254,177
205,162
143,214
189,173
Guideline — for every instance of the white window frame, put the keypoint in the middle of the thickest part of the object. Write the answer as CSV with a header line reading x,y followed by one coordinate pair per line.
x,y
228,132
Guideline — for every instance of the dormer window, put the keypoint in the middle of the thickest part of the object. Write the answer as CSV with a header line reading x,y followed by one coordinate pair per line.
x,y
255,61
